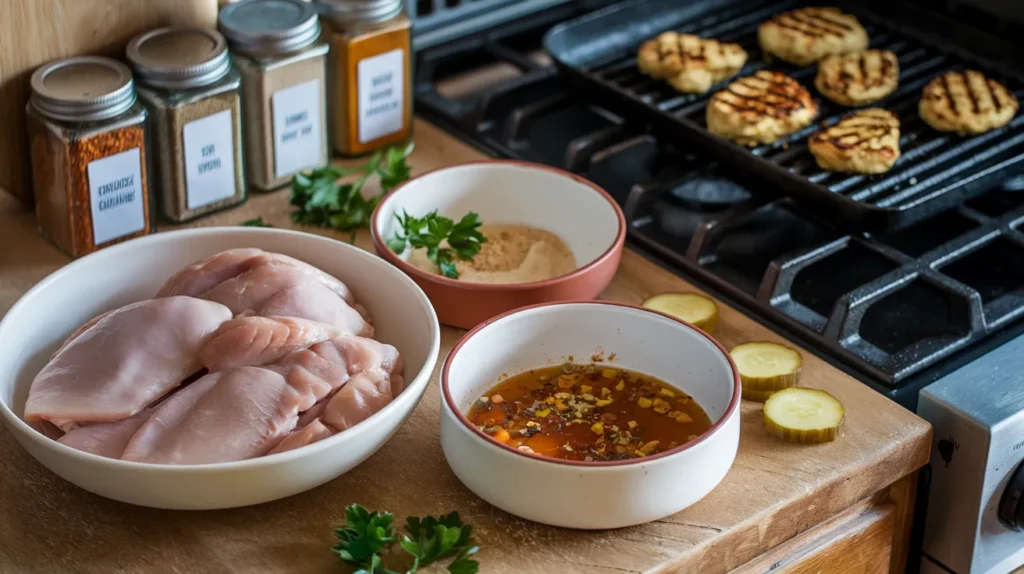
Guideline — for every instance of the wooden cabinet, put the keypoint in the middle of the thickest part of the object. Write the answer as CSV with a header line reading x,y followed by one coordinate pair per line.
x,y
870,537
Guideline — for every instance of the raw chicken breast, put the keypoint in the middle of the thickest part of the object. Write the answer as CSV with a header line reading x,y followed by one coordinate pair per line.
x,y
376,380
122,363
48,429
200,277
308,434
106,439
326,366
85,327
255,341
312,414
361,355
245,411
244,414
166,418
204,275
363,395
280,288
311,300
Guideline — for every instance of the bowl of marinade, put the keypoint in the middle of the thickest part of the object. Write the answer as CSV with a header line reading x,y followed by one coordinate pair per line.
x,y
589,414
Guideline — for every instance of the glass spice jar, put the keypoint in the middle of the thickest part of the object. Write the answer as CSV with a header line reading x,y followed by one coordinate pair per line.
x,y
275,47
370,73
87,140
193,96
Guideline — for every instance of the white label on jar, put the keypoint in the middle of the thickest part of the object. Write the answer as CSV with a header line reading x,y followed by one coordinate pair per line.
x,y
381,95
116,195
209,159
298,128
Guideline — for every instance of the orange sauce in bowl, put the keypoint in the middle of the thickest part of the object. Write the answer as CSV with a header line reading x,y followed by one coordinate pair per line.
x,y
588,413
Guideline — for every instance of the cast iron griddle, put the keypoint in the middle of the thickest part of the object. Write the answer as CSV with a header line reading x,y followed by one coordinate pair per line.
x,y
936,171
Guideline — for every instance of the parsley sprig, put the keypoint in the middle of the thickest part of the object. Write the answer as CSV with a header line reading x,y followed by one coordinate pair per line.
x,y
463,237
257,222
366,535
324,202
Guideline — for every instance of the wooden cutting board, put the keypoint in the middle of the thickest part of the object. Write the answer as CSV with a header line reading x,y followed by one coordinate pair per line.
x,y
783,507
33,32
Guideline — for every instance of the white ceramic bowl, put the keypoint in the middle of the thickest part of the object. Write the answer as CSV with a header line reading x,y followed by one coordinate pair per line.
x,y
590,494
133,271
582,214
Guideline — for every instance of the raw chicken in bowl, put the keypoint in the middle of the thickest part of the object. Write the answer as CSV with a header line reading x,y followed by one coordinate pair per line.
x,y
179,415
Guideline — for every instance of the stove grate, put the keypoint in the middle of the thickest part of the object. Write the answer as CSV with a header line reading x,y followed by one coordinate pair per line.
x,y
848,296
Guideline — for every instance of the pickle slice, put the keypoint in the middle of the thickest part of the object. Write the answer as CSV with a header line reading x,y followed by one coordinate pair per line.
x,y
806,416
757,396
698,310
767,366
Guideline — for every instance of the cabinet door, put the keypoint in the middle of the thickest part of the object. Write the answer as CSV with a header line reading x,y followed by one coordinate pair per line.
x,y
858,541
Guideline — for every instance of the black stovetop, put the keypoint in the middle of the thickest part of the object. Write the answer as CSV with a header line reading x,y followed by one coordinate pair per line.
x,y
897,310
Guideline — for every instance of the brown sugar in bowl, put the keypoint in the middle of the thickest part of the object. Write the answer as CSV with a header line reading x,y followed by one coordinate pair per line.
x,y
582,214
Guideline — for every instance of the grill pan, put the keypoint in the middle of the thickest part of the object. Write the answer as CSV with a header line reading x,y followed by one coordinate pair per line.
x,y
935,172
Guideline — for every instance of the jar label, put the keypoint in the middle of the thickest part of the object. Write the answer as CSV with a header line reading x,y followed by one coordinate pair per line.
x,y
209,159
117,196
381,95
298,128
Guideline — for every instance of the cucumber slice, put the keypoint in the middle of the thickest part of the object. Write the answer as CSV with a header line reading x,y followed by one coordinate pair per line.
x,y
806,416
757,396
698,310
767,366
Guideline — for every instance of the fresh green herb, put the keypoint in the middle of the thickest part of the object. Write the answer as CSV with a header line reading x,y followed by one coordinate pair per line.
x,y
367,534
324,202
431,539
258,222
463,238
364,535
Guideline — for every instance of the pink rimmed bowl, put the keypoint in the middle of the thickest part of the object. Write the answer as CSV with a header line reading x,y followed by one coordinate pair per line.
x,y
582,214
590,494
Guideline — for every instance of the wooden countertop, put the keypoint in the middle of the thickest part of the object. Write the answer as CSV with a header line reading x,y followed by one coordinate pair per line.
x,y
773,491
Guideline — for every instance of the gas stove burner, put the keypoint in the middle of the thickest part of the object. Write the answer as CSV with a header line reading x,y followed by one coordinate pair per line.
x,y
709,194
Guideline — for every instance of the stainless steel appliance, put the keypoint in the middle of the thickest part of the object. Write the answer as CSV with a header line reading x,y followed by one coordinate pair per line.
x,y
936,305
975,521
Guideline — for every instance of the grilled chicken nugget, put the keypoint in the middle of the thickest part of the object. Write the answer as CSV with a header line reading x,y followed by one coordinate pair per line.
x,y
866,141
807,35
966,103
858,78
691,64
760,109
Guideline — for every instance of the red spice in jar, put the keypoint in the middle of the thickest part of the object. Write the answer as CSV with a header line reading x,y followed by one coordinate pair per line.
x,y
88,151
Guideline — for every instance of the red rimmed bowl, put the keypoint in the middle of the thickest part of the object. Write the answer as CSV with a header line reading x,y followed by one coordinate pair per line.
x,y
582,214
590,495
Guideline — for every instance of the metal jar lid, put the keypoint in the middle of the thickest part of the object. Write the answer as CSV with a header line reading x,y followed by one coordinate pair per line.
x,y
350,12
82,89
269,27
179,58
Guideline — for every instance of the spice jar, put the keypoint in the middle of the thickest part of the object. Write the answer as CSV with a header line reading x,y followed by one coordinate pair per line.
x,y
194,99
283,67
87,141
369,70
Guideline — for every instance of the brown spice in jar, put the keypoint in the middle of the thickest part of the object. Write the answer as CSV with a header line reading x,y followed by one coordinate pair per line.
x,y
260,81
63,198
168,123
